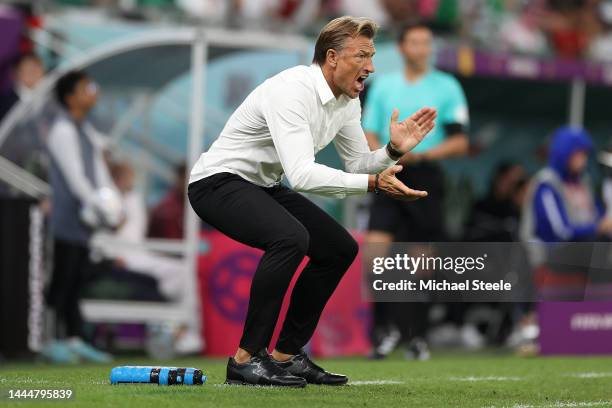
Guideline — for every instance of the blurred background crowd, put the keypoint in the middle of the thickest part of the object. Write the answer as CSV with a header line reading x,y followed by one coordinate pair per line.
x,y
568,28
524,120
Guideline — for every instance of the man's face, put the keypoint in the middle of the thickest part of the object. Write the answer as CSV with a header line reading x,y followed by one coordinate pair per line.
x,y
577,162
416,47
29,72
352,65
85,95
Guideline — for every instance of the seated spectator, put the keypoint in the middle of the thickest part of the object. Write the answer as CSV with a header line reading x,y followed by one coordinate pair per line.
x,y
495,218
167,218
522,32
25,145
210,11
169,272
292,14
570,25
28,72
601,44
561,206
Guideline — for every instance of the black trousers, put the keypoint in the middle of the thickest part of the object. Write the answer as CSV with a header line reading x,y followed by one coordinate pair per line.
x,y
287,226
70,268
415,221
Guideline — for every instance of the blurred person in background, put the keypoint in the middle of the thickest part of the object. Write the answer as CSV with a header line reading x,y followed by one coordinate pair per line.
x,y
26,144
561,205
495,218
373,9
521,31
83,200
126,247
295,15
168,271
571,26
28,71
605,160
167,218
480,20
400,10
417,84
210,11
601,46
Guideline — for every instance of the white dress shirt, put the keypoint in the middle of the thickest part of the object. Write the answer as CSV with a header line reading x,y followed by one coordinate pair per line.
x,y
282,125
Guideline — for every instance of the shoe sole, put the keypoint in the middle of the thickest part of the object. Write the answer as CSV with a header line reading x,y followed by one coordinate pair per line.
x,y
338,384
239,382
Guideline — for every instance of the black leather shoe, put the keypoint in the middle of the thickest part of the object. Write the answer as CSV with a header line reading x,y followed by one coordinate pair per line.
x,y
261,370
300,365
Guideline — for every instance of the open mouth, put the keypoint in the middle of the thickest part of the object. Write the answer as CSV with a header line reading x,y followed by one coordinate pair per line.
x,y
360,83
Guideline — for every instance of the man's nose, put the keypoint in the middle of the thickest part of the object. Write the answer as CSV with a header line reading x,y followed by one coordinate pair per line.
x,y
370,66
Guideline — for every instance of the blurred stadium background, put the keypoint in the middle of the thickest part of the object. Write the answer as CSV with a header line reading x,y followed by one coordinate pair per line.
x,y
170,72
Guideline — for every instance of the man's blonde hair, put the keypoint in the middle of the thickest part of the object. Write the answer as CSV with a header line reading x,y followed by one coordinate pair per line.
x,y
333,35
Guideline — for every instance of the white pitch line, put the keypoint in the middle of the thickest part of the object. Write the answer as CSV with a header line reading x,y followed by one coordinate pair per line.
x,y
561,404
592,375
367,382
249,386
489,378
22,380
375,382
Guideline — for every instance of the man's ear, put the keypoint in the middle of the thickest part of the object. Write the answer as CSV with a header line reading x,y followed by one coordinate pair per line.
x,y
331,57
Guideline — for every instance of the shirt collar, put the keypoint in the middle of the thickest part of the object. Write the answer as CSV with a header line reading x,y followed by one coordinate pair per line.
x,y
325,93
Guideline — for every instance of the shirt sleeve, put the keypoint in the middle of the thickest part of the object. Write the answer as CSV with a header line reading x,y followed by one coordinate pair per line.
x,y
374,117
552,220
353,148
286,112
64,147
455,108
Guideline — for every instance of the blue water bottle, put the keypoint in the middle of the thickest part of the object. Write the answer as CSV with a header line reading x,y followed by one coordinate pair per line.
x,y
144,375
190,376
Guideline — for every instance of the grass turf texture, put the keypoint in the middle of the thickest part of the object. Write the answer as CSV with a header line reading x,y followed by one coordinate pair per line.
x,y
448,380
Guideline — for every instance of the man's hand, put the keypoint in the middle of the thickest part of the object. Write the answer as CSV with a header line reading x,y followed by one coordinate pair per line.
x,y
405,135
391,186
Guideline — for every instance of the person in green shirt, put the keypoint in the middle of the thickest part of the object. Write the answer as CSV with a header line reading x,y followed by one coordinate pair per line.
x,y
417,84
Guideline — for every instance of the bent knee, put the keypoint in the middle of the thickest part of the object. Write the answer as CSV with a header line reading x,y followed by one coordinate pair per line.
x,y
344,251
298,238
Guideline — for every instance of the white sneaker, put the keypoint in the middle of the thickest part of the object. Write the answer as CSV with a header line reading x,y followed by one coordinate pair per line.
x,y
188,342
418,350
471,338
88,352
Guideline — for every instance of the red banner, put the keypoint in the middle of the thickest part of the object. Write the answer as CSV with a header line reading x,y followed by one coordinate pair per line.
x,y
225,272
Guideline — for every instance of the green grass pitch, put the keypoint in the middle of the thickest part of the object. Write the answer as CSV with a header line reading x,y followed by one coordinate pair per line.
x,y
448,380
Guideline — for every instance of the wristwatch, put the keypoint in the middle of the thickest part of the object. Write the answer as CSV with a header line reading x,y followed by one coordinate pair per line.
x,y
394,154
